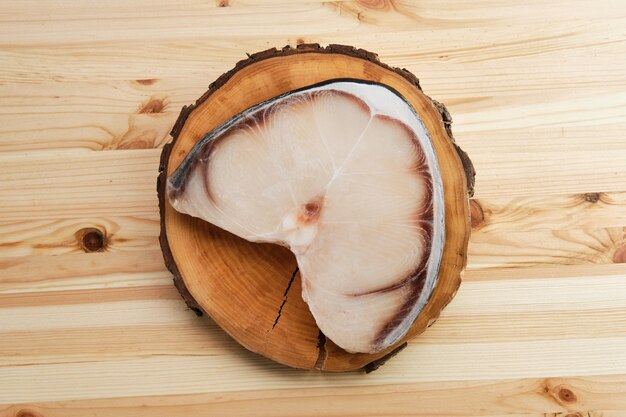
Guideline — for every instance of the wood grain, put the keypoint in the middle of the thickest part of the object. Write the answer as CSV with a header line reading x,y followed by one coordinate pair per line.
x,y
107,171
552,212
74,184
483,312
36,273
135,114
55,237
548,247
538,94
598,396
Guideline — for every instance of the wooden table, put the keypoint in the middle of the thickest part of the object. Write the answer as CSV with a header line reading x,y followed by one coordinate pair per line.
x,y
88,93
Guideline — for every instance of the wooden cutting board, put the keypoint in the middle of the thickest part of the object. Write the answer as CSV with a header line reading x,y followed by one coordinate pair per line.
x,y
90,323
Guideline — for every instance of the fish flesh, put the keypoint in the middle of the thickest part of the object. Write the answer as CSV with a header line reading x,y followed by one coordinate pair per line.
x,y
345,175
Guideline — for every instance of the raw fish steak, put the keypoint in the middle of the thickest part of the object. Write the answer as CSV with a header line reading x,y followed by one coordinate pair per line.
x,y
345,175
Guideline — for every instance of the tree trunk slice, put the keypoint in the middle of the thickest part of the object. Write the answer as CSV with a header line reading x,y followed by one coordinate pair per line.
x,y
253,290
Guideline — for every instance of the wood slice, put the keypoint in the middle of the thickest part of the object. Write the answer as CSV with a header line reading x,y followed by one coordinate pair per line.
x,y
253,290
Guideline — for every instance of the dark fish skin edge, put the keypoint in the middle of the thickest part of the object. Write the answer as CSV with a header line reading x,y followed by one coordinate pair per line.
x,y
470,172
177,179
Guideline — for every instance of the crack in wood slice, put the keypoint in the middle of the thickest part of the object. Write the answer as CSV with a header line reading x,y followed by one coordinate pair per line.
x,y
280,309
322,352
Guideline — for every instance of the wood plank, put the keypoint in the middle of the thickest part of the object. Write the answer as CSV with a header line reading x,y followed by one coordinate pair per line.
x,y
485,311
508,249
485,60
599,396
103,294
454,8
128,114
501,215
71,184
497,215
551,271
203,337
552,160
90,115
177,374
69,272
194,336
100,185
114,343
519,290
547,154
215,37
565,229
192,20
88,93
94,315
143,119
157,21
547,247
36,273
478,337
477,81
64,184
54,237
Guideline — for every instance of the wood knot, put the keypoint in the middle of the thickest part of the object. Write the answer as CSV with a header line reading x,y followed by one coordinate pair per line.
x,y
619,257
592,197
566,395
376,4
223,3
139,143
477,214
147,81
27,413
300,41
152,106
91,239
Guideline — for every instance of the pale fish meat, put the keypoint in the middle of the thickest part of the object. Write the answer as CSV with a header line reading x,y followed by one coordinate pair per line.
x,y
345,175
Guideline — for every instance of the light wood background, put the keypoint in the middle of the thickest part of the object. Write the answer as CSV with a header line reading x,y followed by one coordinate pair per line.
x,y
88,93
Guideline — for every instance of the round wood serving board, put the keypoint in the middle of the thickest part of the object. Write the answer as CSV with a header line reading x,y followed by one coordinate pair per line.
x,y
253,290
